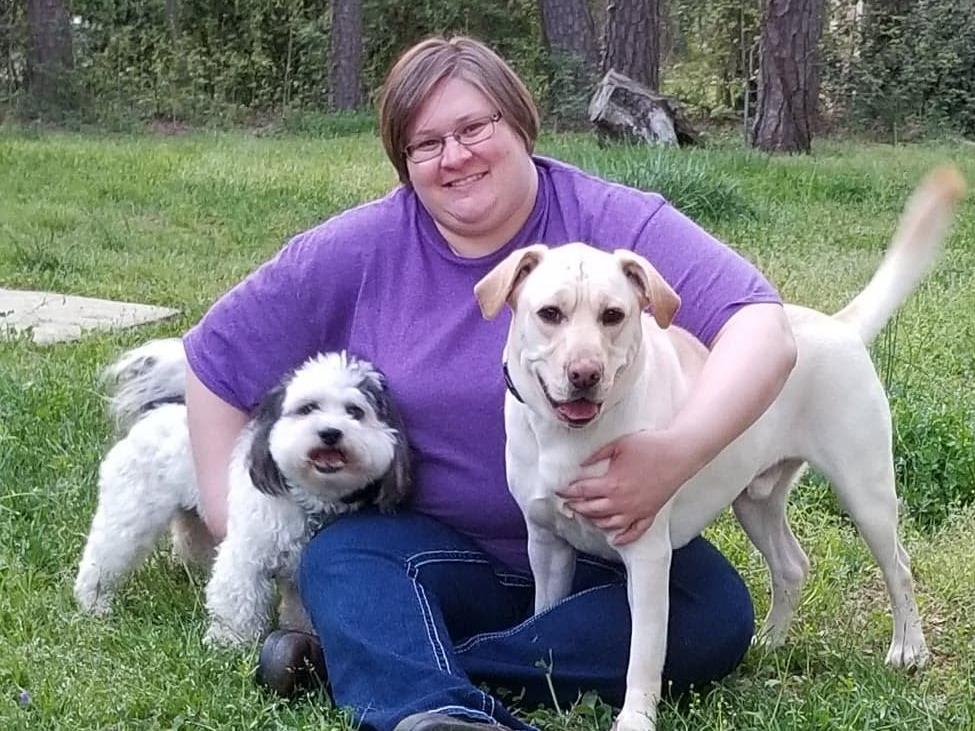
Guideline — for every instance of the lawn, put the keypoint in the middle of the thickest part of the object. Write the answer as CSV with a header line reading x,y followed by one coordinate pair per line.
x,y
175,221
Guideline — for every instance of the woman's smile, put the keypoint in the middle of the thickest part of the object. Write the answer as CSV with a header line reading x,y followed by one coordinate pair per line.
x,y
466,181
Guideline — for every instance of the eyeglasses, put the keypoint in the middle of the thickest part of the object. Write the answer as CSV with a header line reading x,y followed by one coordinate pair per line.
x,y
469,133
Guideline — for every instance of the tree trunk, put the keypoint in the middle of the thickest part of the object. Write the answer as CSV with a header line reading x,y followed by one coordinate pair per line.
x,y
570,37
50,54
172,19
632,44
568,29
788,89
345,68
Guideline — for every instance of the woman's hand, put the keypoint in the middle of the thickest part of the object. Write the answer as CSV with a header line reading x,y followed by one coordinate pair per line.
x,y
645,470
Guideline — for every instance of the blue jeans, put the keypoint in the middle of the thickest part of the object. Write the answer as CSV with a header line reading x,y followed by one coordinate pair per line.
x,y
412,616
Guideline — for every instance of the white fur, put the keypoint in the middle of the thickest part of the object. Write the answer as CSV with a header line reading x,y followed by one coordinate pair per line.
x,y
147,482
832,413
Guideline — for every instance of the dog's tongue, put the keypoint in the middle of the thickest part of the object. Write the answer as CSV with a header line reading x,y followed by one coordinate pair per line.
x,y
327,457
579,410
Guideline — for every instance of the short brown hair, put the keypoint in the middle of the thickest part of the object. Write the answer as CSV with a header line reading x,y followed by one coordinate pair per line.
x,y
429,62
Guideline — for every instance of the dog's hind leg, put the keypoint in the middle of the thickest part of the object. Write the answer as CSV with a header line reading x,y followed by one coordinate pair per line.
x,y
124,530
863,480
761,510
193,544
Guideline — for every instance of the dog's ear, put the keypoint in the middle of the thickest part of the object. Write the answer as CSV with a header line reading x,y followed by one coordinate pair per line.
x,y
651,288
498,286
262,468
394,485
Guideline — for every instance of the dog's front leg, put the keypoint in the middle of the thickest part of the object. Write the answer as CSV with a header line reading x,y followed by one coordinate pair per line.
x,y
553,564
647,564
239,593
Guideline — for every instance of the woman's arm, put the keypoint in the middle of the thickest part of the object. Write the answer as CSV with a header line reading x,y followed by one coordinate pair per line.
x,y
748,365
214,426
750,360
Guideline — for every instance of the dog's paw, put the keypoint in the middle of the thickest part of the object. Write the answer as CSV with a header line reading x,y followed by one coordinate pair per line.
x,y
635,721
221,636
771,636
96,607
910,653
92,600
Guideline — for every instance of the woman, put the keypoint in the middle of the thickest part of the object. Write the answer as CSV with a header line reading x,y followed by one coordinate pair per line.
x,y
413,610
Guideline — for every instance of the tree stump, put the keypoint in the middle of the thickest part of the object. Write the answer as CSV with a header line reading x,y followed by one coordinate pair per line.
x,y
624,109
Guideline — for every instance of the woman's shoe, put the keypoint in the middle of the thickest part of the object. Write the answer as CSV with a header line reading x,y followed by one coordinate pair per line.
x,y
291,662
433,721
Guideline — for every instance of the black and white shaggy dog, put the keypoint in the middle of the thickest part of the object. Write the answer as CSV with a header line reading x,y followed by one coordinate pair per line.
x,y
324,442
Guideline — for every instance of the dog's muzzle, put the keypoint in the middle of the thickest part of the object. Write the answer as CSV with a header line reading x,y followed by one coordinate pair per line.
x,y
330,458
578,411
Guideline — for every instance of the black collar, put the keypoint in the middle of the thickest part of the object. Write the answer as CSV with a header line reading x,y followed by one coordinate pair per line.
x,y
509,384
364,495
156,403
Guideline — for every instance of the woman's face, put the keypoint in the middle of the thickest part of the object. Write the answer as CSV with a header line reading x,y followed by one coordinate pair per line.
x,y
471,191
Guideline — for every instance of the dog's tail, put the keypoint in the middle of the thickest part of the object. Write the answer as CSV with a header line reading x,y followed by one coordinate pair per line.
x,y
143,378
913,252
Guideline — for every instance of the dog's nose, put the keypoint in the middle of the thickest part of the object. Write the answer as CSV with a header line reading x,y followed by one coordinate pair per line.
x,y
330,436
585,375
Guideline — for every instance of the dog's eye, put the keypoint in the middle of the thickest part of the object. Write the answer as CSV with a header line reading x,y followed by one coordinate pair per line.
x,y
612,316
551,315
306,409
355,412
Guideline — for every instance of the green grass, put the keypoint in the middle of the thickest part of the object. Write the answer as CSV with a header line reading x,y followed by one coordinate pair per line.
x,y
177,220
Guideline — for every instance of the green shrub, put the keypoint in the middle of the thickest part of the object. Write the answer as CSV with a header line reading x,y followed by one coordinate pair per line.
x,y
336,124
934,456
564,104
712,44
916,69
698,190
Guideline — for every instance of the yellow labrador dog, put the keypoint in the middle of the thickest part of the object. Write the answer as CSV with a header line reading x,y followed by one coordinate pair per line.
x,y
590,367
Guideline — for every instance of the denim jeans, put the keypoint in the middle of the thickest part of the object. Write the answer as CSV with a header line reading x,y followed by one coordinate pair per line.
x,y
414,617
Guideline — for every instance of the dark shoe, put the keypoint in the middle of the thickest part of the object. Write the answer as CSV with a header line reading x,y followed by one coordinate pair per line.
x,y
291,662
430,721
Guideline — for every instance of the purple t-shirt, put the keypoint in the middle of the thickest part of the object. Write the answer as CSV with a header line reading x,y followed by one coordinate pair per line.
x,y
380,281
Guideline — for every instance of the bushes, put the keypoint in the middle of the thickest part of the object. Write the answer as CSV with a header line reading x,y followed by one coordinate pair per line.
x,y
209,62
700,186
234,61
702,193
904,65
934,455
914,70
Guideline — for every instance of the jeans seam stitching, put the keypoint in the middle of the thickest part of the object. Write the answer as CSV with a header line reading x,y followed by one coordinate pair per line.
x,y
446,553
475,640
412,567
504,578
433,637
